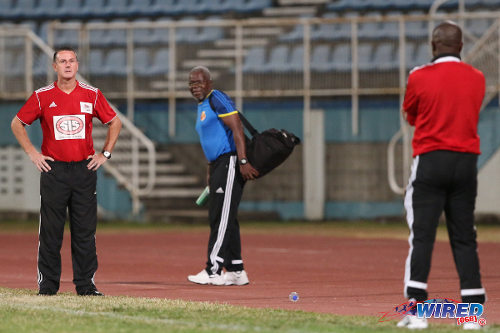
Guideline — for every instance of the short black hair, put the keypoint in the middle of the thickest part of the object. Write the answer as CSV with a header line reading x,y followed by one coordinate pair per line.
x,y
63,48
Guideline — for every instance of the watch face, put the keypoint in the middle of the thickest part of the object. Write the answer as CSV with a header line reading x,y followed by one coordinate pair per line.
x,y
243,161
107,154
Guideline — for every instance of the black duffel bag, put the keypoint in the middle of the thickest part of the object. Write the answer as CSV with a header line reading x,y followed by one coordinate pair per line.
x,y
268,149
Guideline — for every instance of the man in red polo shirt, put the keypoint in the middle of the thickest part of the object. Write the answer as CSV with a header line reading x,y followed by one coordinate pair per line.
x,y
68,165
443,100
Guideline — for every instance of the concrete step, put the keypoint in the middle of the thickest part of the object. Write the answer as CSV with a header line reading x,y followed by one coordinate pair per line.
x,y
301,2
247,42
217,53
191,193
121,156
260,31
172,180
290,11
210,63
162,168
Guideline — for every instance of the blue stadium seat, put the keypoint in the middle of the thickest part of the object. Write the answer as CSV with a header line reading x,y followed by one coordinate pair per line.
x,y
365,57
66,36
114,8
320,58
70,8
143,36
416,29
115,63
231,5
210,33
142,61
277,59
160,63
296,63
370,29
47,9
254,60
164,7
186,34
40,64
138,8
96,62
478,26
297,33
6,11
22,9
255,5
385,57
92,8
14,63
341,58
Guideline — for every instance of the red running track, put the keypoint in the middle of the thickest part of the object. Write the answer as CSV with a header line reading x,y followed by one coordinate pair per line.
x,y
330,274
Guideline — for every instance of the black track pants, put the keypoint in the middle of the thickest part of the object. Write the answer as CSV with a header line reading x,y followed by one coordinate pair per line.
x,y
442,181
68,186
226,189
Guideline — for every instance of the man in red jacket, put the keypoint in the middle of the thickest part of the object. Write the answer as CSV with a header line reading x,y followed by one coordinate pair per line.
x,y
443,100
68,164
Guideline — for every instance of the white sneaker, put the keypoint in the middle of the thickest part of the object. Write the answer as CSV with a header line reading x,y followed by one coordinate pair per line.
x,y
413,323
238,278
471,326
203,278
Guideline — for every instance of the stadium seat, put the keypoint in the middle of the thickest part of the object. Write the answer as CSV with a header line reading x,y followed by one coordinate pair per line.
x,y
478,26
210,33
255,5
138,8
341,58
96,62
67,36
160,63
416,29
277,59
142,61
254,60
115,8
370,29
92,8
6,11
70,8
115,63
385,57
22,9
143,36
296,63
186,34
365,57
320,58
164,8
47,9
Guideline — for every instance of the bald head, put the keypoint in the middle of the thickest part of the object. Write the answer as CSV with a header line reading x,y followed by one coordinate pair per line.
x,y
446,38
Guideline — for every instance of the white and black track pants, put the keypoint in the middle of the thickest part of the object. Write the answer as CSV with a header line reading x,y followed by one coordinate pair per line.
x,y
68,186
226,189
442,181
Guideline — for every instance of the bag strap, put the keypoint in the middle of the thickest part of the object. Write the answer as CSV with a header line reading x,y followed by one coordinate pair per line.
x,y
244,120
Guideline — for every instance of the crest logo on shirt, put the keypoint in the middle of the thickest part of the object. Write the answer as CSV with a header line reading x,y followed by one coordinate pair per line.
x,y
203,115
69,127
86,107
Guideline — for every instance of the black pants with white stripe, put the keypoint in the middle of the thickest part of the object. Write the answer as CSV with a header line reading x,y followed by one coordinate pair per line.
x,y
442,181
226,189
68,186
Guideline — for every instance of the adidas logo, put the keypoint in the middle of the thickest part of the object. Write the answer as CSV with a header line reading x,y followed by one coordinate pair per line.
x,y
219,190
52,105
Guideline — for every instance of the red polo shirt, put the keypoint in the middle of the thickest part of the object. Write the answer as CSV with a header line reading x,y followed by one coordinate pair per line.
x,y
66,119
442,101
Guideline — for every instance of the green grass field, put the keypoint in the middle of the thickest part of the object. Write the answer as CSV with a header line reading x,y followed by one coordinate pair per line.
x,y
24,311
